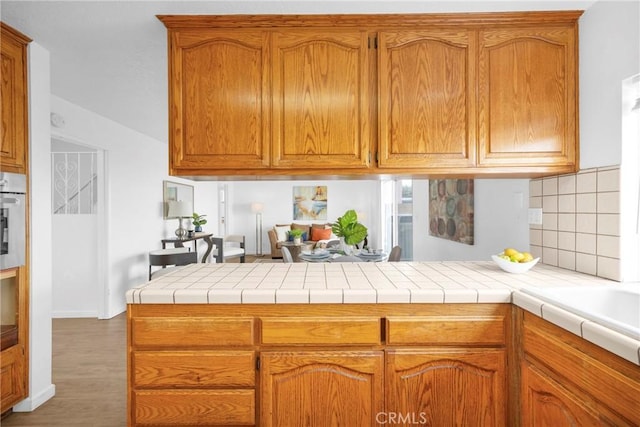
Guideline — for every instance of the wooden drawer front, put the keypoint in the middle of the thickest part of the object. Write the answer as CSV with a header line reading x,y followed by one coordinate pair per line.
x,y
194,407
443,330
320,330
192,332
194,369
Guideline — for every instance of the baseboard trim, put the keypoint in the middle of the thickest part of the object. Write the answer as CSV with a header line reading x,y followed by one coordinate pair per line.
x,y
30,404
73,314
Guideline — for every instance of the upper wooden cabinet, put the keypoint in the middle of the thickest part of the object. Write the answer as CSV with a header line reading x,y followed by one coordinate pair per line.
x,y
362,95
427,92
219,101
528,97
13,98
321,99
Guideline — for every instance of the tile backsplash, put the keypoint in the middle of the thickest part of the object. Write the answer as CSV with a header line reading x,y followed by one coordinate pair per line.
x,y
580,228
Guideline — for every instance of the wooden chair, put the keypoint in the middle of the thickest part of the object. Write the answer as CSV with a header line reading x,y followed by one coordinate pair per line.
x,y
169,257
394,255
286,255
231,246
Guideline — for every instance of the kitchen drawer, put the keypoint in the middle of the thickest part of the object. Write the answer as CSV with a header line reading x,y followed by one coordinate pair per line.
x,y
179,332
183,369
446,330
194,407
320,330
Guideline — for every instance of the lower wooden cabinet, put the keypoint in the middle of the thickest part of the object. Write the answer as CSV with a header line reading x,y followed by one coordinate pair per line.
x,y
321,388
568,381
447,387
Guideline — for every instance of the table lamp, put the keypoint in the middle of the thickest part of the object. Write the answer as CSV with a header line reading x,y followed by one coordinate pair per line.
x,y
180,209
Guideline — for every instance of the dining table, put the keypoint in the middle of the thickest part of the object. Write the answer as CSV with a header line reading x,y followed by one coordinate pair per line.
x,y
336,256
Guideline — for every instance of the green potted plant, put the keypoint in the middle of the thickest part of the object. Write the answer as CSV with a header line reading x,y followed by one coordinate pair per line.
x,y
350,231
198,221
297,235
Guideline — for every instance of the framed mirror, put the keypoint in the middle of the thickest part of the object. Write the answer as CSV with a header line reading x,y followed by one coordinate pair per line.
x,y
174,191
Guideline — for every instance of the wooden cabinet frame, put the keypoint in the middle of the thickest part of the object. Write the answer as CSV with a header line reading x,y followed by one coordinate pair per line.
x,y
424,89
354,345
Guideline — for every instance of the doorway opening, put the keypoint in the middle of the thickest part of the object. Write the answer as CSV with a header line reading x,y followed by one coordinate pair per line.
x,y
78,236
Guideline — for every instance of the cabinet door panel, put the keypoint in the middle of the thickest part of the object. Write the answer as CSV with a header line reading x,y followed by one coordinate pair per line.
x,y
321,99
12,377
13,99
321,388
448,387
546,403
219,99
427,98
527,97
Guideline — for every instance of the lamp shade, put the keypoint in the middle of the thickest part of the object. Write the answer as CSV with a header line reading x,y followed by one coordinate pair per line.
x,y
256,207
179,209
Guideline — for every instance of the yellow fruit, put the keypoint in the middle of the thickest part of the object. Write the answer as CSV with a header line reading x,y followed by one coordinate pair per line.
x,y
527,257
510,252
517,257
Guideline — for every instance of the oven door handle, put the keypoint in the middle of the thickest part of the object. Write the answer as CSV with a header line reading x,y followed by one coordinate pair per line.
x,y
10,200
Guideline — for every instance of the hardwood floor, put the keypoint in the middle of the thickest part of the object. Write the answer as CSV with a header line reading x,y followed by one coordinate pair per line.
x,y
89,372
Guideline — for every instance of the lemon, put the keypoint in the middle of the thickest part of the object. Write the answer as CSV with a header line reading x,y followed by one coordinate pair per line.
x,y
517,257
510,252
527,257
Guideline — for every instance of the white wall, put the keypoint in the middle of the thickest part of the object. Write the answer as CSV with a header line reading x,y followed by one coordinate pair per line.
x,y
136,166
277,197
500,217
40,387
609,53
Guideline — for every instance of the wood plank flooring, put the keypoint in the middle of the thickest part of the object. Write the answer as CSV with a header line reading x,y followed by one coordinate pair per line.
x,y
89,372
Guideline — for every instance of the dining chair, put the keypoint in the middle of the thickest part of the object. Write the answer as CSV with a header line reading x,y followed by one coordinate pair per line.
x,y
286,255
231,246
394,255
169,257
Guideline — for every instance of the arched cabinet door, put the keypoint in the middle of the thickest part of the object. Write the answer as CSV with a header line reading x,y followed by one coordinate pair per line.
x,y
321,388
448,387
528,97
427,90
219,100
547,403
321,99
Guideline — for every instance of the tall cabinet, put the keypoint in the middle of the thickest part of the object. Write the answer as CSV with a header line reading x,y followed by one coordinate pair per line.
x,y
14,282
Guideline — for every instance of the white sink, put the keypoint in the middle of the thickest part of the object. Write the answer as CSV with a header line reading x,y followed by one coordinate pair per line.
x,y
616,306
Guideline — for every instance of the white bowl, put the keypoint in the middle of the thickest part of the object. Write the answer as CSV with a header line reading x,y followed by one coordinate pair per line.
x,y
514,267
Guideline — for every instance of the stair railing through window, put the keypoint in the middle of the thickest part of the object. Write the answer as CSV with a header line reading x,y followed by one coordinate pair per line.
x,y
74,180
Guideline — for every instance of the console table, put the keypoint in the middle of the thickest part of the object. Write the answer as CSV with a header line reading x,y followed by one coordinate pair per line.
x,y
179,243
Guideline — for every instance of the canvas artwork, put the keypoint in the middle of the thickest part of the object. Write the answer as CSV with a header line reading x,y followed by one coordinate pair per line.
x,y
310,202
451,209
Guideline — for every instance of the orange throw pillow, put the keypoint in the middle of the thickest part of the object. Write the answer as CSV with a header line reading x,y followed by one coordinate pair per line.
x,y
320,234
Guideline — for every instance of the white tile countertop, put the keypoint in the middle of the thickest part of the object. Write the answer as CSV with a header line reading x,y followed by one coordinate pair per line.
x,y
379,283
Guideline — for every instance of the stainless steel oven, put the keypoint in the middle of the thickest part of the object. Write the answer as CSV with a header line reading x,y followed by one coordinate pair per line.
x,y
13,188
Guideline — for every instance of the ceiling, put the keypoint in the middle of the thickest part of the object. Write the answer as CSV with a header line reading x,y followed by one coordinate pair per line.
x,y
110,57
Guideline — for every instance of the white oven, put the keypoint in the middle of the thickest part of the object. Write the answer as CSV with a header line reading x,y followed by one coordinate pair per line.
x,y
13,188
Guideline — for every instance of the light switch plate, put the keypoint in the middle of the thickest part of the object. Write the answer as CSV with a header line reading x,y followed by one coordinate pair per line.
x,y
535,216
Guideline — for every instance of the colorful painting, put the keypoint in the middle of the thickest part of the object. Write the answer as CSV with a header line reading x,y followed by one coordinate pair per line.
x,y
451,209
310,203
